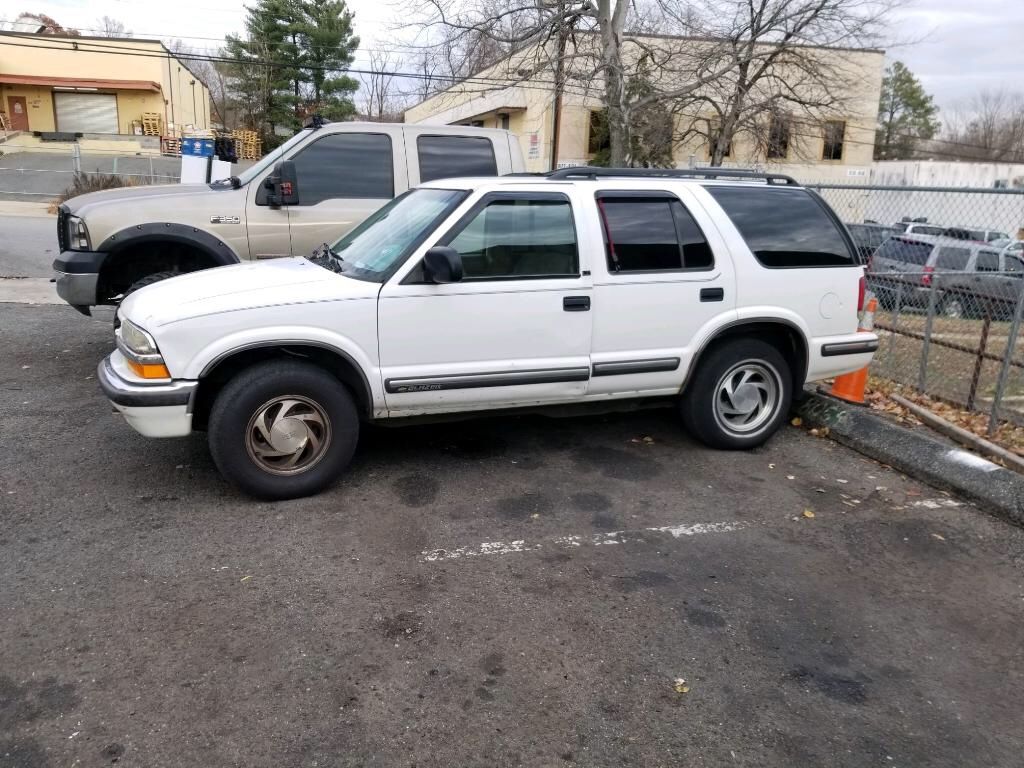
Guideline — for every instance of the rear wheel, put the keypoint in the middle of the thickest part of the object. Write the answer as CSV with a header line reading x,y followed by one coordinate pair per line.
x,y
282,429
739,396
954,305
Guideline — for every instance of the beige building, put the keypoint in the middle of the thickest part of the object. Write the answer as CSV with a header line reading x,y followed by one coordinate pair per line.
x,y
97,85
833,145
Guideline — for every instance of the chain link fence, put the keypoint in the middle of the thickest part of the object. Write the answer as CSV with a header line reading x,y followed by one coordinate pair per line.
x,y
947,268
43,173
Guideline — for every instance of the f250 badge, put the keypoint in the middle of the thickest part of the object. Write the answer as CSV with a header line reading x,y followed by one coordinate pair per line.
x,y
225,220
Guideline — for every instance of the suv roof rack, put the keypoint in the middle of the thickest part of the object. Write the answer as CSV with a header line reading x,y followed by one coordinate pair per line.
x,y
594,173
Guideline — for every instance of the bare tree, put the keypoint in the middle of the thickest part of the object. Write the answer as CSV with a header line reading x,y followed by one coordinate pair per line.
x,y
990,126
380,98
109,27
734,58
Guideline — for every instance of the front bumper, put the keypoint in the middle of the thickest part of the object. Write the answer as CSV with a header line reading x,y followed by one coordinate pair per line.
x,y
152,410
77,274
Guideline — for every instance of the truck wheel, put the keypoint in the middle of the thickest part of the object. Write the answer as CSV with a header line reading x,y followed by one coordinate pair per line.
x,y
142,282
740,394
282,429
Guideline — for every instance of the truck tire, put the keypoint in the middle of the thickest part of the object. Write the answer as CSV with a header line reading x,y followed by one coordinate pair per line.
x,y
283,429
142,282
739,395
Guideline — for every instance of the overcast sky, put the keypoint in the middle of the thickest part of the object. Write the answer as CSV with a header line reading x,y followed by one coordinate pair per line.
x,y
964,46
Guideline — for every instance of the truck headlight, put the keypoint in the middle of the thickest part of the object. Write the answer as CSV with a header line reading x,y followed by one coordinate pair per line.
x,y
78,237
140,352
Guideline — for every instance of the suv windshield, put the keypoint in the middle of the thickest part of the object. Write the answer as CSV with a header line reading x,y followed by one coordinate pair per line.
x,y
377,247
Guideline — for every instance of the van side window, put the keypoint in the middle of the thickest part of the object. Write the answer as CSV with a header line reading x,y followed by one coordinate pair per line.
x,y
785,227
988,261
952,258
446,157
346,165
651,233
522,236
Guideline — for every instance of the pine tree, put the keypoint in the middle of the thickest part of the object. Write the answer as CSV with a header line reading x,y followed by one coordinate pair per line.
x,y
906,114
329,46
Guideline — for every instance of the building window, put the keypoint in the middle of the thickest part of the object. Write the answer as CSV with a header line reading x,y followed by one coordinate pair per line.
x,y
597,138
714,136
778,137
835,131
503,121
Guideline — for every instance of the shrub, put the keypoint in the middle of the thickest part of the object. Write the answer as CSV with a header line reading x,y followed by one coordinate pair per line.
x,y
91,182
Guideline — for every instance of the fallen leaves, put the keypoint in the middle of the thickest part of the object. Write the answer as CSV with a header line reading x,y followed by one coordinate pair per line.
x,y
681,686
809,514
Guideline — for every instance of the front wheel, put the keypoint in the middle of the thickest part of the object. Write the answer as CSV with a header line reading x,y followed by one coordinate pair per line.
x,y
739,396
282,429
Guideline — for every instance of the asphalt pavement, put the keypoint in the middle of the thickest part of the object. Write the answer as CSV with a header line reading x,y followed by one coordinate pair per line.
x,y
499,592
28,245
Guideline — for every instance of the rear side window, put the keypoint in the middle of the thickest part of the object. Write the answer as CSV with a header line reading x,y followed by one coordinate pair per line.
x,y
346,165
907,251
952,258
1013,264
445,157
988,261
785,227
645,234
926,230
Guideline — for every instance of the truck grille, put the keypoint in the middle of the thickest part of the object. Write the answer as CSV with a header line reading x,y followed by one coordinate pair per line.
x,y
62,230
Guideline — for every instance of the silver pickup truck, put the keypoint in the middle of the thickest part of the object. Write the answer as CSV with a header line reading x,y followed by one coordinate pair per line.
x,y
310,190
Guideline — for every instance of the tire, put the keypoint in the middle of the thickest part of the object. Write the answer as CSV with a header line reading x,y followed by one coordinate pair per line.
x,y
954,306
142,282
310,410
706,416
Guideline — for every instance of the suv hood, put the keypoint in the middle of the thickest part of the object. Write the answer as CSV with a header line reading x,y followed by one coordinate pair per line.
x,y
240,287
164,192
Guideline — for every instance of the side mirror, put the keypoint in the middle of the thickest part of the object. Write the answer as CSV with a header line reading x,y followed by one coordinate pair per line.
x,y
283,185
442,264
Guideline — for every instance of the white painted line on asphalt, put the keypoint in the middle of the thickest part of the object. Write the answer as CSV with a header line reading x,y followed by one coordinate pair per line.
x,y
937,503
592,540
28,290
970,460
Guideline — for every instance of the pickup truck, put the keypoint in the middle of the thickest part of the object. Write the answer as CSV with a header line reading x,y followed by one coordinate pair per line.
x,y
719,291
310,190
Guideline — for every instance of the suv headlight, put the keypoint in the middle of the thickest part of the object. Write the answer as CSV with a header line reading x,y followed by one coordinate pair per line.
x,y
78,236
140,352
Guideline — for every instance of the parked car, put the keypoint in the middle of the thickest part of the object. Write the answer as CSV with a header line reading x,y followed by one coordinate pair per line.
x,y
907,270
990,285
976,235
867,238
722,290
918,228
313,189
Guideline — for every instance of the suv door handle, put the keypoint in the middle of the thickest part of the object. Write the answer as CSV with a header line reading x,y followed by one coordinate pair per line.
x,y
712,294
576,303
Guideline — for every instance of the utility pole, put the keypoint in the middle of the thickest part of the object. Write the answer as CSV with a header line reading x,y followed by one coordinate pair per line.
x,y
563,37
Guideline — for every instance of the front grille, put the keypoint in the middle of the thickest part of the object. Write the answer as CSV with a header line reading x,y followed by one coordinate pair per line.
x,y
62,230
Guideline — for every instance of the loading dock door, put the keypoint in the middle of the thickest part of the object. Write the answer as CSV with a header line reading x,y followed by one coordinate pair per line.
x,y
86,112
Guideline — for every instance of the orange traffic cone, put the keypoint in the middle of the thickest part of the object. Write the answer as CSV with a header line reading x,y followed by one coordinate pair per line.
x,y
850,386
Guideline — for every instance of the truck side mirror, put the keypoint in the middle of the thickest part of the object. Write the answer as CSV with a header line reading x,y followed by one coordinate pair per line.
x,y
283,185
442,264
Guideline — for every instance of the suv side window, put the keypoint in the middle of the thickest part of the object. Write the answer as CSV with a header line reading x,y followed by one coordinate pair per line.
x,y
445,157
1013,264
988,261
346,165
904,250
785,227
952,258
645,232
517,236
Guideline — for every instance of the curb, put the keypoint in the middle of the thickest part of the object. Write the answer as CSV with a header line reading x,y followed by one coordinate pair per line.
x,y
993,488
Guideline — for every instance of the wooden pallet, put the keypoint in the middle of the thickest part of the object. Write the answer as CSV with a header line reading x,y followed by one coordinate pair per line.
x,y
170,145
248,144
152,125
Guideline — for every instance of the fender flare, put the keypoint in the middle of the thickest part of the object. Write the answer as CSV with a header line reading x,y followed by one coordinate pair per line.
x,y
158,231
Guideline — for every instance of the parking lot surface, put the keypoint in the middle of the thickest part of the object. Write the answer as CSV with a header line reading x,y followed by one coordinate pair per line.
x,y
595,591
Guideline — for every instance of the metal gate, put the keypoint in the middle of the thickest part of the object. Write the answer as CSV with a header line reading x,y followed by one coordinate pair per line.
x,y
86,112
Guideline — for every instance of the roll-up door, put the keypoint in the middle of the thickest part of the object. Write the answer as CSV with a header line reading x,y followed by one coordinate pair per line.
x,y
86,112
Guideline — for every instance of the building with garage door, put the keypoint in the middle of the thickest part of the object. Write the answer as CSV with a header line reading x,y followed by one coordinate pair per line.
x,y
97,85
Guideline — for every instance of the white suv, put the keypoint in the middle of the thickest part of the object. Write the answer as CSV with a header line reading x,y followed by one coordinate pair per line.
x,y
725,290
